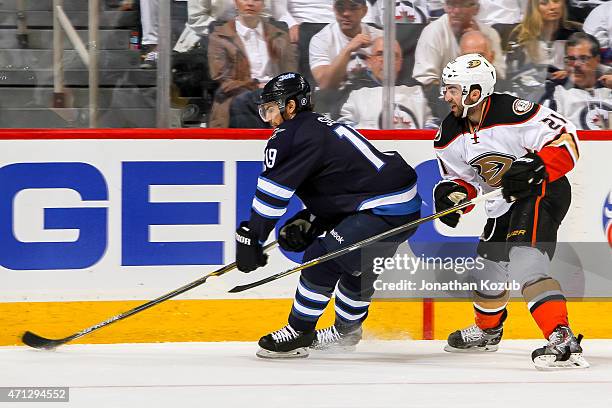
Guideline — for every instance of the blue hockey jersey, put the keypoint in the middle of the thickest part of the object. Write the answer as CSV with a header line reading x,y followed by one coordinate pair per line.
x,y
334,170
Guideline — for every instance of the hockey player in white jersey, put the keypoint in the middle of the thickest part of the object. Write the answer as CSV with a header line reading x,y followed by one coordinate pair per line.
x,y
491,141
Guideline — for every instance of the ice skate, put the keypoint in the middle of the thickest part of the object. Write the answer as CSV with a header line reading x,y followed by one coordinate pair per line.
x,y
286,343
474,340
336,339
562,351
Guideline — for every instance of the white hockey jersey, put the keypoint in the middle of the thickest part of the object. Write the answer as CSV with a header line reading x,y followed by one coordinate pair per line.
x,y
510,128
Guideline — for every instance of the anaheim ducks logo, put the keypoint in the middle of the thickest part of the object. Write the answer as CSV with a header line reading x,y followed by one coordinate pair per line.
x,y
474,63
491,167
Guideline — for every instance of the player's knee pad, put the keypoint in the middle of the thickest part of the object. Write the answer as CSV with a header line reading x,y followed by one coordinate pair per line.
x,y
527,265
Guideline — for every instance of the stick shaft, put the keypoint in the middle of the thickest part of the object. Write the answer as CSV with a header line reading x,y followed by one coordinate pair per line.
x,y
367,241
225,269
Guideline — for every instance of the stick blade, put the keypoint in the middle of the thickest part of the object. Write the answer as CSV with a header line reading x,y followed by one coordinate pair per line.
x,y
238,288
35,341
242,288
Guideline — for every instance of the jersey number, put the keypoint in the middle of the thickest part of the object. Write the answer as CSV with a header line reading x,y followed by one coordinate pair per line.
x,y
270,157
553,121
358,141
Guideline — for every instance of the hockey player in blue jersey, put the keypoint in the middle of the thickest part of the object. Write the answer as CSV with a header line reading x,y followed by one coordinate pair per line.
x,y
351,191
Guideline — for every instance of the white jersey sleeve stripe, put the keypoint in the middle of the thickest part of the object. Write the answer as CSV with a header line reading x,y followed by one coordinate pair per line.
x,y
267,210
274,189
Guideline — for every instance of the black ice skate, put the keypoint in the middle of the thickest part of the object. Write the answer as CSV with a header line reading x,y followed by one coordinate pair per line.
x,y
337,339
285,343
474,340
562,351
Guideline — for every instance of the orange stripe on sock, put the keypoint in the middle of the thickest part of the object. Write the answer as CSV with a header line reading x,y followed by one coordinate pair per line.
x,y
549,315
534,233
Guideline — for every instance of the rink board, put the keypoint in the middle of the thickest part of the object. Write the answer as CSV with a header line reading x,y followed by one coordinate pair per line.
x,y
93,222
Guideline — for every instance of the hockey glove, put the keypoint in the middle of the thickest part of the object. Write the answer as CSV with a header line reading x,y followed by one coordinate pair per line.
x,y
524,178
299,232
448,194
249,253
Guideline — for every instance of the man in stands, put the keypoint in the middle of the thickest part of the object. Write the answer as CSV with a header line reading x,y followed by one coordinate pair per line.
x,y
582,97
363,109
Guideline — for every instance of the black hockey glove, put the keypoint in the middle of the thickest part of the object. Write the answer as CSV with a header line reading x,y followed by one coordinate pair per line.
x,y
448,194
524,178
249,253
299,232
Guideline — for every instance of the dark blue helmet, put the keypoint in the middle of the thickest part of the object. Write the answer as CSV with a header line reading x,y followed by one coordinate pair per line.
x,y
287,86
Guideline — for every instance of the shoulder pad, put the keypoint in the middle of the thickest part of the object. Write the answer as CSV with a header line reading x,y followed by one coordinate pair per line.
x,y
450,128
505,109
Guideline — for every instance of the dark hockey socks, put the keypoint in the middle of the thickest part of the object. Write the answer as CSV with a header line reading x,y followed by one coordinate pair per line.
x,y
308,305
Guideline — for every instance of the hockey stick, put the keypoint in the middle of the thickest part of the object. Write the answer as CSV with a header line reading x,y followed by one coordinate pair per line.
x,y
367,241
39,342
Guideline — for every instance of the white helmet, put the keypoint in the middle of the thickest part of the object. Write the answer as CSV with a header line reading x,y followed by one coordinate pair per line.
x,y
468,70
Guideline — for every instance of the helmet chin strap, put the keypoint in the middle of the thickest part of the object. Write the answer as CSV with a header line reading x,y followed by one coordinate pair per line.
x,y
467,107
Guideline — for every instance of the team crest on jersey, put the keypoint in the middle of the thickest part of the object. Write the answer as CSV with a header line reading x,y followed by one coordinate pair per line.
x,y
474,63
521,106
492,166
607,218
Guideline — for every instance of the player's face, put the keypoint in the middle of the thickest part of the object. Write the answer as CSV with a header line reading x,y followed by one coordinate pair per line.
x,y
452,95
270,113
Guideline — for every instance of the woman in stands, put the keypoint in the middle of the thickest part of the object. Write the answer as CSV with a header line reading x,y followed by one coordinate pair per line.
x,y
536,46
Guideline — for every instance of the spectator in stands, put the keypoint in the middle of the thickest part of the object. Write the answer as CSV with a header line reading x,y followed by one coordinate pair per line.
x,y
149,20
599,24
339,50
536,47
475,42
439,41
414,11
201,13
544,23
502,15
363,109
305,18
297,12
435,9
583,98
243,54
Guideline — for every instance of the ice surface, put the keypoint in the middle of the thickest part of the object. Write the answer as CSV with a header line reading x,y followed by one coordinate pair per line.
x,y
378,374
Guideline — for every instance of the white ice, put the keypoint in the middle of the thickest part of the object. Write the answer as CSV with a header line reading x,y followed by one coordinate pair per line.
x,y
378,374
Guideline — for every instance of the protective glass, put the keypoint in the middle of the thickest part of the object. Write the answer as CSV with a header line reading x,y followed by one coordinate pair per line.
x,y
268,110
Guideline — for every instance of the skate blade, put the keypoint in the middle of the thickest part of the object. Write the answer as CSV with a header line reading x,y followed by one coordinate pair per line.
x,y
301,352
474,350
548,363
334,349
